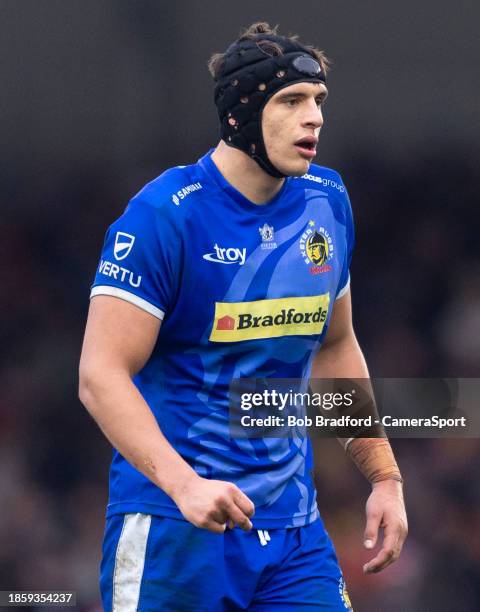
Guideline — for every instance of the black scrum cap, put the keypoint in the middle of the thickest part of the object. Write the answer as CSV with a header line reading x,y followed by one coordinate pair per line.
x,y
249,78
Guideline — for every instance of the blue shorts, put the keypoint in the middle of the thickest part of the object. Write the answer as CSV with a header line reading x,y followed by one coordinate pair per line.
x,y
153,563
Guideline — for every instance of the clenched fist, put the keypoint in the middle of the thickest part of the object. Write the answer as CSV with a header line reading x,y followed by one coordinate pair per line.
x,y
214,504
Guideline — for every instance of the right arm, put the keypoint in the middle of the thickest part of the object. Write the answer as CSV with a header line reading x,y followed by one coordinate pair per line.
x,y
119,339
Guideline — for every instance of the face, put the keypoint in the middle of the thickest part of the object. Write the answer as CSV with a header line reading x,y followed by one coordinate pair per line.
x,y
318,253
291,123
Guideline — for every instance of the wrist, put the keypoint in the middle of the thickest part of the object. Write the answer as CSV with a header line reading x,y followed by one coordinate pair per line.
x,y
182,484
391,483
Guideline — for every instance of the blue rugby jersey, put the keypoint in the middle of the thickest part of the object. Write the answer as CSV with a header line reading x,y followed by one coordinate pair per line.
x,y
243,291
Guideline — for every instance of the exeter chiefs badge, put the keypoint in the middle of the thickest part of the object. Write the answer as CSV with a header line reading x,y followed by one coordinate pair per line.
x,y
342,589
316,247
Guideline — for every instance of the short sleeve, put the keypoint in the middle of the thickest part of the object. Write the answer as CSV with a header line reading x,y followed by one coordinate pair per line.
x,y
344,282
139,259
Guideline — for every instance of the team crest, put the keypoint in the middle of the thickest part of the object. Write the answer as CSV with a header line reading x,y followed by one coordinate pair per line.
x,y
267,234
316,247
342,589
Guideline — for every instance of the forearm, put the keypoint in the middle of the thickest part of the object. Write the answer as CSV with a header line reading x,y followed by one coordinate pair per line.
x,y
127,421
342,359
373,456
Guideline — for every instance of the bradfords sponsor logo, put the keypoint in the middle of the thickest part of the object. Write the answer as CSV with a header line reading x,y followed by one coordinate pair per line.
x,y
238,321
108,268
184,192
324,181
230,255
316,247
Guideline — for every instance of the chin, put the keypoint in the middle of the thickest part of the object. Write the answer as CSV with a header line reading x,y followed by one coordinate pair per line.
x,y
297,168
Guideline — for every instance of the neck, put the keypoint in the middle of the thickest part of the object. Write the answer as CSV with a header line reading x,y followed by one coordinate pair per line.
x,y
245,174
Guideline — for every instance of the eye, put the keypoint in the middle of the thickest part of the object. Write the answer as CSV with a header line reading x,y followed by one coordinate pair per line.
x,y
291,102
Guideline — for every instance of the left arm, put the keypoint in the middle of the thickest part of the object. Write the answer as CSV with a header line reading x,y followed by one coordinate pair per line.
x,y
341,357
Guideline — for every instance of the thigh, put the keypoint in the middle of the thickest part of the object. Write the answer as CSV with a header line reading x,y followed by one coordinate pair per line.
x,y
309,577
155,563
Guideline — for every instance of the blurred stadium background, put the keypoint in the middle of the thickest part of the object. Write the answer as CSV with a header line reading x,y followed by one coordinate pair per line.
x,y
100,97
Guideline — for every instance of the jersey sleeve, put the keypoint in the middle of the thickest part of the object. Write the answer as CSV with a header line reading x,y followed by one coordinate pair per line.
x,y
344,282
139,259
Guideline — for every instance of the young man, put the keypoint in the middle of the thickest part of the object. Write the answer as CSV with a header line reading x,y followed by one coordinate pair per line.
x,y
209,275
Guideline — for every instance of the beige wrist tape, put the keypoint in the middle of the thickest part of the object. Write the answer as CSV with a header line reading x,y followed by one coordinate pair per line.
x,y
374,458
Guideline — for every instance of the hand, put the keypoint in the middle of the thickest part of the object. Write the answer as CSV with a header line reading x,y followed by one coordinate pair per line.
x,y
385,508
211,504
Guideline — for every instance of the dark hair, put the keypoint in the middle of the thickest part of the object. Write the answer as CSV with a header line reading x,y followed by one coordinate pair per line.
x,y
215,63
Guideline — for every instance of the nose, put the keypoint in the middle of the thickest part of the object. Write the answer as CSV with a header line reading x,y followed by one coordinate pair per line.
x,y
314,116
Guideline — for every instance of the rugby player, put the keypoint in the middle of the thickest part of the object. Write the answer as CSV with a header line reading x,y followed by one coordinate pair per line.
x,y
215,271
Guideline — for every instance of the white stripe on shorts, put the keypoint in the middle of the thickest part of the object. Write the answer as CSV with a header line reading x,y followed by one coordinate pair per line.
x,y
129,562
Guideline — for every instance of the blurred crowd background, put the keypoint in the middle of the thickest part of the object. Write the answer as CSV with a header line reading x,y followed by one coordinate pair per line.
x,y
100,97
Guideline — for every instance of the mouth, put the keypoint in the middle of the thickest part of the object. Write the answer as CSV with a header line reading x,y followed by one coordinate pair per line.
x,y
307,146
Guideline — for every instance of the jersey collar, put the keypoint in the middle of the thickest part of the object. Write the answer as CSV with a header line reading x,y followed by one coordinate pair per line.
x,y
208,166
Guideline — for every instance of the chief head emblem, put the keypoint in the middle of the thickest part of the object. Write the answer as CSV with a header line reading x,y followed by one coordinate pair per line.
x,y
317,248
